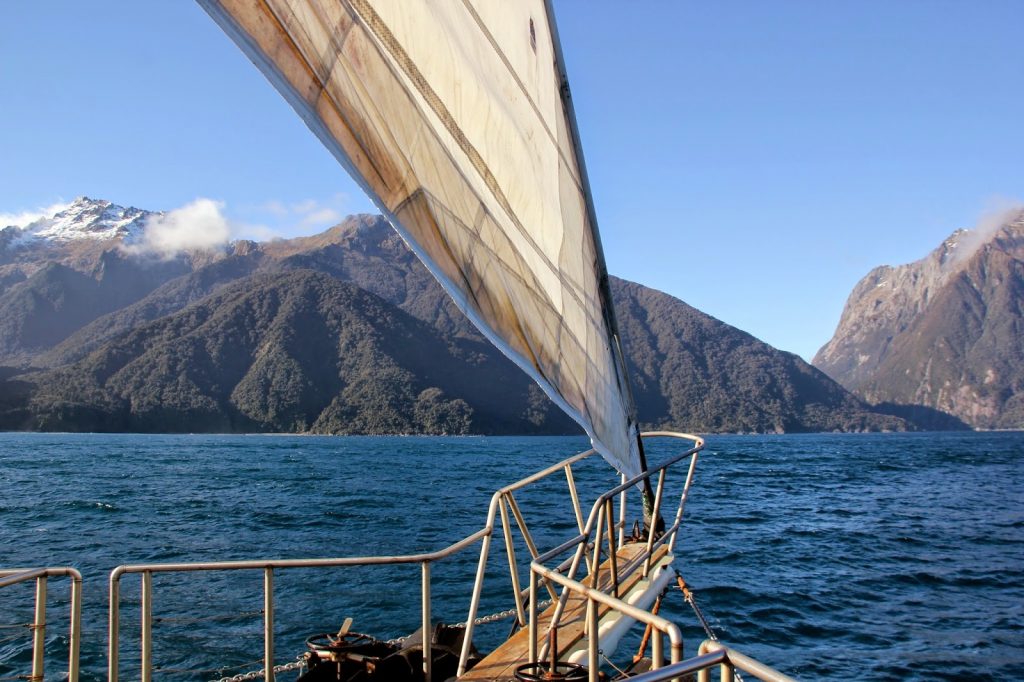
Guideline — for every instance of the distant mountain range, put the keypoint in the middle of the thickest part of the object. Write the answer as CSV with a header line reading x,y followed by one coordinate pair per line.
x,y
942,334
341,332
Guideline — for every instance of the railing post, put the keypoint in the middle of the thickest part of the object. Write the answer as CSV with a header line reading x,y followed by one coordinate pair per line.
x,y
146,626
657,653
612,555
525,532
76,628
726,674
654,515
682,502
533,616
39,630
575,497
427,632
592,639
596,565
510,552
113,626
622,514
474,604
268,624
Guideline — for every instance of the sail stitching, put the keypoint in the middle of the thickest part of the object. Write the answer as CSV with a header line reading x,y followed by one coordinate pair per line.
x,y
526,95
323,90
454,219
398,53
326,93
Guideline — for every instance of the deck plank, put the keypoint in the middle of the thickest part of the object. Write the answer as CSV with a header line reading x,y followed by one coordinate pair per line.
x,y
501,663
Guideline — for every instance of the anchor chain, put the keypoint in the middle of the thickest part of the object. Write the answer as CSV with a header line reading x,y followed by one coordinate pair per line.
x,y
257,674
482,620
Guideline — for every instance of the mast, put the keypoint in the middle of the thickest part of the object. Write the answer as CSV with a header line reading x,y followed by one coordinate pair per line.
x,y
604,288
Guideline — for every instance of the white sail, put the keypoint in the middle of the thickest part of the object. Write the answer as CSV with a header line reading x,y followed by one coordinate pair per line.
x,y
451,115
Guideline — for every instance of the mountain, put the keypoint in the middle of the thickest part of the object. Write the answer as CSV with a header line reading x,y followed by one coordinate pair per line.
x,y
83,220
346,332
61,272
295,351
943,333
690,370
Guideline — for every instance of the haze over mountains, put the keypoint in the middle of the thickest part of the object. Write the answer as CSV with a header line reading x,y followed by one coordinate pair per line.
x,y
341,332
945,332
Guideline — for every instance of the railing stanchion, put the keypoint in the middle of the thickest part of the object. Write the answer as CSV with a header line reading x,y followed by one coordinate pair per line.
x,y
726,673
622,513
474,602
654,526
146,626
575,496
113,626
268,624
657,650
596,565
510,552
530,544
76,628
39,630
612,556
682,501
427,631
533,616
592,660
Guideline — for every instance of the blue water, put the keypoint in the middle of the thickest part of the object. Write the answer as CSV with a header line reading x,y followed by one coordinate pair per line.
x,y
827,556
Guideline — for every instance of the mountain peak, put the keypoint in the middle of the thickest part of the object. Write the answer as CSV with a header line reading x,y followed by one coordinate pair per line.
x,y
941,332
85,218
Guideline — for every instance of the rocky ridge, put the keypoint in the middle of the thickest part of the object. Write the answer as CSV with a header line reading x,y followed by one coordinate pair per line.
x,y
943,332
162,359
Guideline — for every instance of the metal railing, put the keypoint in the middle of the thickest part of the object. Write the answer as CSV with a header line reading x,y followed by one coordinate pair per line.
x,y
268,567
503,504
602,515
711,654
13,576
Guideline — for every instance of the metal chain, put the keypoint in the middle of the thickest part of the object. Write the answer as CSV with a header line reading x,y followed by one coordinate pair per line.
x,y
301,661
482,620
257,674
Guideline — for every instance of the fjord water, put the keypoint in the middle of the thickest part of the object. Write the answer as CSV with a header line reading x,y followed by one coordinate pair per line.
x,y
884,556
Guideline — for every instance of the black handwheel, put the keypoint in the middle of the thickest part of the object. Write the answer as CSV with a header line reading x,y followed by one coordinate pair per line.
x,y
541,672
327,643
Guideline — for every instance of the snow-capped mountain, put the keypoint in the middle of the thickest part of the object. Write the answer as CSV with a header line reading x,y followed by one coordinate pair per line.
x,y
84,219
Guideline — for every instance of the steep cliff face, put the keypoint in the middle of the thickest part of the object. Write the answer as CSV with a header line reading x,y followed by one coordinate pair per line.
x,y
944,332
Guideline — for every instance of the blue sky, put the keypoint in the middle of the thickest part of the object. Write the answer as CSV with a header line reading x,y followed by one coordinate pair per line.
x,y
754,159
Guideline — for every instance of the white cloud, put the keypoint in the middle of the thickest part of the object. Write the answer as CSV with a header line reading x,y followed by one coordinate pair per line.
x,y
305,217
23,218
321,217
197,226
998,214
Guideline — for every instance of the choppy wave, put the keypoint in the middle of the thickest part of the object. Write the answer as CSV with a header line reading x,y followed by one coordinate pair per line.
x,y
830,557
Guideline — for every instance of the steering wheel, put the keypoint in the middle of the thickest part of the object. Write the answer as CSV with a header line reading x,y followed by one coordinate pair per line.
x,y
328,643
541,672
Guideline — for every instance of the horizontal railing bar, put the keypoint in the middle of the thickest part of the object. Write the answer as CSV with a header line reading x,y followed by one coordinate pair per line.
x,y
15,576
301,563
687,667
746,663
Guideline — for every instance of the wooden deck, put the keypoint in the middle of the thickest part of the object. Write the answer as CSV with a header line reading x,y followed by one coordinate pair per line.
x,y
501,663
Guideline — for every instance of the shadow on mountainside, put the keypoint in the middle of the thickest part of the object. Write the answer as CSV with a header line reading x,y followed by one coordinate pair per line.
x,y
923,417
